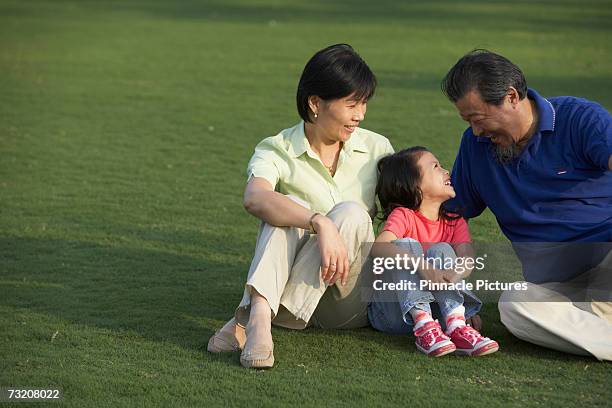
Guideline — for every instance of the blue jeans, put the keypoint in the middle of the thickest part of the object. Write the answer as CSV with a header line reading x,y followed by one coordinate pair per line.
x,y
390,314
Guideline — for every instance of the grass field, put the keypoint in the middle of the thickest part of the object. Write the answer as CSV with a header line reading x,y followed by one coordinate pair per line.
x,y
125,129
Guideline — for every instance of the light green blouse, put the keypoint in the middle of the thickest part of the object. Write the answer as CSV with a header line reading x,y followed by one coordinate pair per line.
x,y
291,166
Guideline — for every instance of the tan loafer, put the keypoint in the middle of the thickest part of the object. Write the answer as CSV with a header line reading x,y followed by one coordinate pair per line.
x,y
224,342
257,357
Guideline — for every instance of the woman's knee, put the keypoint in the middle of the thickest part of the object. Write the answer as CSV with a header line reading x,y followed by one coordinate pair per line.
x,y
349,210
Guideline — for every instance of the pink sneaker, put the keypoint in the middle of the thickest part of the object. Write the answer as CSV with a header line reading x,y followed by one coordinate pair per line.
x,y
471,343
431,340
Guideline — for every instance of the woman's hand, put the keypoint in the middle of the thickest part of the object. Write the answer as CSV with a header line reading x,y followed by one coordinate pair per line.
x,y
334,257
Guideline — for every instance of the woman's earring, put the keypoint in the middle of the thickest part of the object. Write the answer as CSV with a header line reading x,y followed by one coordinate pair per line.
x,y
316,116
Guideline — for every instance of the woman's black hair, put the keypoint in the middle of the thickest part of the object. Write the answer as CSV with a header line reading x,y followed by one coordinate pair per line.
x,y
487,72
334,72
399,176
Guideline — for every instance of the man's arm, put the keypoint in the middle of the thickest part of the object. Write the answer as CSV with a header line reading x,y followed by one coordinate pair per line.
x,y
595,135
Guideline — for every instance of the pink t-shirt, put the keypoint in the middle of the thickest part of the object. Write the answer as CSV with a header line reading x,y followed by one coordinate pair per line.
x,y
406,223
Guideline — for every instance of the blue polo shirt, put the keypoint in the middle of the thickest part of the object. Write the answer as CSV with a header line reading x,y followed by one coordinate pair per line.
x,y
558,190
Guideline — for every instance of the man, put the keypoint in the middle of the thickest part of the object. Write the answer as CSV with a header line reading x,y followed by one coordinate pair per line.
x,y
543,167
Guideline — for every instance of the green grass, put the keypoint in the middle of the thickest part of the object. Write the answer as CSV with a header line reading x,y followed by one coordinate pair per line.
x,y
125,129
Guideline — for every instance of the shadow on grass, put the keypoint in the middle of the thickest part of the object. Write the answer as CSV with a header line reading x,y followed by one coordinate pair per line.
x,y
159,295
312,343
589,87
587,15
167,297
593,88
485,15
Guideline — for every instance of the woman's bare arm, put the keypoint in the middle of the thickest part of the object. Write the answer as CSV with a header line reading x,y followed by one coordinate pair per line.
x,y
261,201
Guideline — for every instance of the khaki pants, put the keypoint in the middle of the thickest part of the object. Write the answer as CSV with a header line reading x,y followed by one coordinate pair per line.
x,y
574,317
286,270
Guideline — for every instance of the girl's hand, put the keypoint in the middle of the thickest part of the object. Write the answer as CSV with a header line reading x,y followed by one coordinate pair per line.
x,y
334,256
458,275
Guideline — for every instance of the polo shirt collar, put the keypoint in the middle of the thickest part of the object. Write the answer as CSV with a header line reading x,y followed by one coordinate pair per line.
x,y
299,144
546,121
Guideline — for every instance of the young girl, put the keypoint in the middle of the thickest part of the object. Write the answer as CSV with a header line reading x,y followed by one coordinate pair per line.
x,y
412,187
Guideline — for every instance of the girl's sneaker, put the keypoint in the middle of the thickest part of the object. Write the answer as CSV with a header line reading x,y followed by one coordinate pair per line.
x,y
471,343
431,340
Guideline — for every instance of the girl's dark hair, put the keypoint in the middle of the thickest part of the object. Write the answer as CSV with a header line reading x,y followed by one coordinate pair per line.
x,y
399,177
334,72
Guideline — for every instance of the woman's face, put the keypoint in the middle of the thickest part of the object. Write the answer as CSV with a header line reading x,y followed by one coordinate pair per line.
x,y
435,180
338,118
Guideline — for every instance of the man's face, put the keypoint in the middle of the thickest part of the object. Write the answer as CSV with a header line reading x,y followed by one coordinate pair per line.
x,y
499,123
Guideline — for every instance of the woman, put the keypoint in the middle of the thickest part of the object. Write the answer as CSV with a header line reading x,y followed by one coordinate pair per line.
x,y
312,186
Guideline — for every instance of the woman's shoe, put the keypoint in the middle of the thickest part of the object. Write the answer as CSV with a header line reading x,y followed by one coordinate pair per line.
x,y
259,356
226,342
258,352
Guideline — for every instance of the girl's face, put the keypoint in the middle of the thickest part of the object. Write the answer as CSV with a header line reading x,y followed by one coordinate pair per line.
x,y
435,180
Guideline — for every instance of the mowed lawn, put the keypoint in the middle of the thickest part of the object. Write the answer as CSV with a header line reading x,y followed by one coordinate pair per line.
x,y
125,130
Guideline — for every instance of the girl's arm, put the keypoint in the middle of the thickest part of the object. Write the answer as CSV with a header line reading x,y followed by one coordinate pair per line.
x,y
383,248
